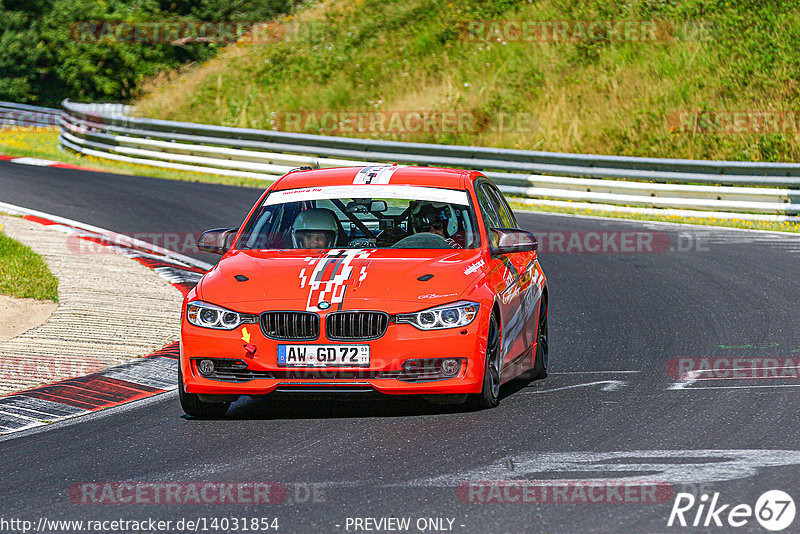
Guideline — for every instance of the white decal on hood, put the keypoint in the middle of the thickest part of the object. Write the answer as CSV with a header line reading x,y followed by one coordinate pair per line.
x,y
332,274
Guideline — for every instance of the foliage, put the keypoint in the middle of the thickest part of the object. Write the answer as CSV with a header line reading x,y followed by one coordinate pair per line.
x,y
46,55
598,95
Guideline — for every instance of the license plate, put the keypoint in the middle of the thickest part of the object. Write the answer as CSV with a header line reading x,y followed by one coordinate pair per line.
x,y
323,355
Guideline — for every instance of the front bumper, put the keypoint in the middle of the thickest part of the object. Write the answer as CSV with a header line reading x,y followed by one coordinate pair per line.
x,y
260,374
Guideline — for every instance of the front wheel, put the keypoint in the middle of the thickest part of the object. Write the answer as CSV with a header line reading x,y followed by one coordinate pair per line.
x,y
192,405
490,393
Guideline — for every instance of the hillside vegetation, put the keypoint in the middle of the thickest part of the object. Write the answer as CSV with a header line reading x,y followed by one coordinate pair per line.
x,y
598,93
81,49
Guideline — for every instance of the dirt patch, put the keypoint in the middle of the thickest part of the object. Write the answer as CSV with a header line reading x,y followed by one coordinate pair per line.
x,y
20,315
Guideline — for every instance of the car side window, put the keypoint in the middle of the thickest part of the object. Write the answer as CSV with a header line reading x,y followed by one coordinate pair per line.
x,y
503,209
488,209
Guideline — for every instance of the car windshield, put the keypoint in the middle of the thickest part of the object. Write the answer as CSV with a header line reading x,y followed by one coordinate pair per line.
x,y
362,216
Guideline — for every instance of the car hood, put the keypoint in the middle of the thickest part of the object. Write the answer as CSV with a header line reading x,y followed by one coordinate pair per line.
x,y
252,281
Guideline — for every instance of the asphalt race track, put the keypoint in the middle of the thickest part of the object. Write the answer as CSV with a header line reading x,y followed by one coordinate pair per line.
x,y
614,408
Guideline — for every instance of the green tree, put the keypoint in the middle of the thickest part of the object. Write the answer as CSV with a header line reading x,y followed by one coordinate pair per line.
x,y
49,52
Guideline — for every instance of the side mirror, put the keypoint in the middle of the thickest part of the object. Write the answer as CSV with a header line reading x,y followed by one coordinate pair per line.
x,y
217,241
510,240
363,206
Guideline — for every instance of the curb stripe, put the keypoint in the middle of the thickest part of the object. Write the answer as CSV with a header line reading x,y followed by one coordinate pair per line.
x,y
10,423
157,373
46,407
172,351
78,168
36,162
45,412
136,379
92,392
10,409
40,220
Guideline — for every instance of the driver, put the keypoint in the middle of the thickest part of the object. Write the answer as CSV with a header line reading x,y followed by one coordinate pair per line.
x,y
436,218
315,228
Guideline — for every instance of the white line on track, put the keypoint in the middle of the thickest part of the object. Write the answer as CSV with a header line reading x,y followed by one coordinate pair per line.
x,y
685,381
666,466
591,372
693,377
608,385
742,387
713,378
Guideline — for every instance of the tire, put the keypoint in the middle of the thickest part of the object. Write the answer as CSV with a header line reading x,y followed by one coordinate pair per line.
x,y
540,364
192,405
489,397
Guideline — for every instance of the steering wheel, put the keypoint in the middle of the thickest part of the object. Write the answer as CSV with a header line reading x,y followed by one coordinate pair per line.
x,y
361,242
423,240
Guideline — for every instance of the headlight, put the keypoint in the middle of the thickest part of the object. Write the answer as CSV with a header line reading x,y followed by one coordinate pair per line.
x,y
210,316
447,316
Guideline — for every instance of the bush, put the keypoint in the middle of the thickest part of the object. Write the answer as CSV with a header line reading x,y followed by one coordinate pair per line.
x,y
46,57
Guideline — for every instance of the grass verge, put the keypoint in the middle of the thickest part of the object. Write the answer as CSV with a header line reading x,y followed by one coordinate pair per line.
x,y
23,273
43,143
771,226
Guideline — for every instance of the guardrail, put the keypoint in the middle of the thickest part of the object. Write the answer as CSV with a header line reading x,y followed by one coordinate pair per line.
x,y
722,189
24,115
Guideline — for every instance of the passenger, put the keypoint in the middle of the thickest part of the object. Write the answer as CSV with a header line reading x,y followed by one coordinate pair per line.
x,y
436,218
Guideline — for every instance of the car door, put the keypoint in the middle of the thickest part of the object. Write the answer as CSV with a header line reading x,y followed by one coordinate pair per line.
x,y
512,273
527,267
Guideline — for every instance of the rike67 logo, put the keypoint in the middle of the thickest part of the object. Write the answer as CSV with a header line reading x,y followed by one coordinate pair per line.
x,y
774,510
